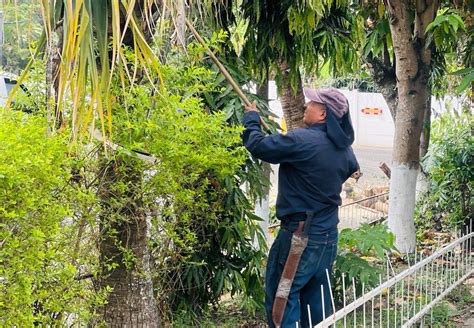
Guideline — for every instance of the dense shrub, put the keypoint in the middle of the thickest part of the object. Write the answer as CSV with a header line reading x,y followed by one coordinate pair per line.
x,y
361,256
38,219
450,170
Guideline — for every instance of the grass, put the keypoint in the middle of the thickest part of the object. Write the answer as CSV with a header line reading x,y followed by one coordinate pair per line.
x,y
236,312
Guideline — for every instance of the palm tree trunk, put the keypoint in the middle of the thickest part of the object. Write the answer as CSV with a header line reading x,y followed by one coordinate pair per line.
x,y
125,258
292,102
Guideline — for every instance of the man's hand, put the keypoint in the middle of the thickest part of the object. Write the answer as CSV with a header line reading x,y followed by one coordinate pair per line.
x,y
356,175
251,108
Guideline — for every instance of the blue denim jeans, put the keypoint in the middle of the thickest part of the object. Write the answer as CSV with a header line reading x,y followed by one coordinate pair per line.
x,y
318,256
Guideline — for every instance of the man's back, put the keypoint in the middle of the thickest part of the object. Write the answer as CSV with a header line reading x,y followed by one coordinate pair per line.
x,y
312,168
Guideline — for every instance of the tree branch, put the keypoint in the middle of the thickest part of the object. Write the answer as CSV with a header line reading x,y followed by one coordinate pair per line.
x,y
385,78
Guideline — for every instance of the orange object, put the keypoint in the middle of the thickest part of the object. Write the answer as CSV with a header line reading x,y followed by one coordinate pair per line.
x,y
372,111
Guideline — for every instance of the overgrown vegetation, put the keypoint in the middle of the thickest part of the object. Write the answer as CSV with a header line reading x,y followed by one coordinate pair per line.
x,y
361,256
85,223
449,201
21,30
40,210
204,237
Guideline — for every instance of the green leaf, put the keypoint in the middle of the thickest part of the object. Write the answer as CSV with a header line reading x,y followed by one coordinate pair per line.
x,y
466,82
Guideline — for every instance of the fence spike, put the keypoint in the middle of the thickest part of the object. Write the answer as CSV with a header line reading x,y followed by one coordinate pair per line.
x,y
431,284
388,297
330,291
441,274
322,302
422,270
363,306
344,296
465,253
380,300
449,268
372,319
402,317
395,304
355,297
414,288
470,245
310,321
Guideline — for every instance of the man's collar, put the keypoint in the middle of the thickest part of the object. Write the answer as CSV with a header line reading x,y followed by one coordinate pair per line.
x,y
318,126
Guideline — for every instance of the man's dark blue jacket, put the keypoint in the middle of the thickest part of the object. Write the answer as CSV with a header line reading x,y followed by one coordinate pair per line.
x,y
312,169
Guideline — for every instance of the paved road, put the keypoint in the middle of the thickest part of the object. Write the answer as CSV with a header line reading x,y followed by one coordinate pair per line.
x,y
369,159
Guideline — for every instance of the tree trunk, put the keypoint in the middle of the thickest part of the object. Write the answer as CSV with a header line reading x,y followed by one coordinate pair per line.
x,y
124,253
422,184
383,74
180,24
412,70
262,206
425,135
292,103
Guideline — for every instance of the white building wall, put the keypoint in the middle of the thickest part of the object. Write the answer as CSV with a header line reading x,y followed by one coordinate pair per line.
x,y
372,129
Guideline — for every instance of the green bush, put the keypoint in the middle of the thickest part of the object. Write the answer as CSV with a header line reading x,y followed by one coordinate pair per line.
x,y
451,173
203,236
361,255
38,206
205,239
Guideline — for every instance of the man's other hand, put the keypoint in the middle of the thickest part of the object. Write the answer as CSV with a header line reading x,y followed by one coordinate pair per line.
x,y
251,108
356,175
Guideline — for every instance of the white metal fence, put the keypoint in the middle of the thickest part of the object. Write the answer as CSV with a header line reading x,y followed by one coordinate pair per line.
x,y
372,209
408,297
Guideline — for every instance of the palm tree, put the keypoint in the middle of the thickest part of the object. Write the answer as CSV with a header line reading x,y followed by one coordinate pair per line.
x,y
85,44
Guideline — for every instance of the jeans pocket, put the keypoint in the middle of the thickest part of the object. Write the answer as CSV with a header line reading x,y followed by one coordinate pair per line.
x,y
311,258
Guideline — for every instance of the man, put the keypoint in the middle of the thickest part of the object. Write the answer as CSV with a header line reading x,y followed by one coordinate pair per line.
x,y
314,163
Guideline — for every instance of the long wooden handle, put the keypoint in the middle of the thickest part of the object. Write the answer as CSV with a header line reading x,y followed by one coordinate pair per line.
x,y
223,70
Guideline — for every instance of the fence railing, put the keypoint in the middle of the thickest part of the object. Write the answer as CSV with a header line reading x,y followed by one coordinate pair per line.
x,y
367,210
408,297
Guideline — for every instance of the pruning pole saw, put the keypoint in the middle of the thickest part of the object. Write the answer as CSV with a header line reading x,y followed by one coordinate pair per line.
x,y
223,70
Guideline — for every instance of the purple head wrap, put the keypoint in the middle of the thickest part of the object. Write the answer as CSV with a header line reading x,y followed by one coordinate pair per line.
x,y
338,121
331,97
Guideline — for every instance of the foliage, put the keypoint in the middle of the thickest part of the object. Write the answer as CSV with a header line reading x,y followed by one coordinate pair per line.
x,y
31,98
442,315
231,313
447,35
359,251
304,34
361,82
22,27
204,237
455,309
205,240
449,166
90,38
443,30
40,210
